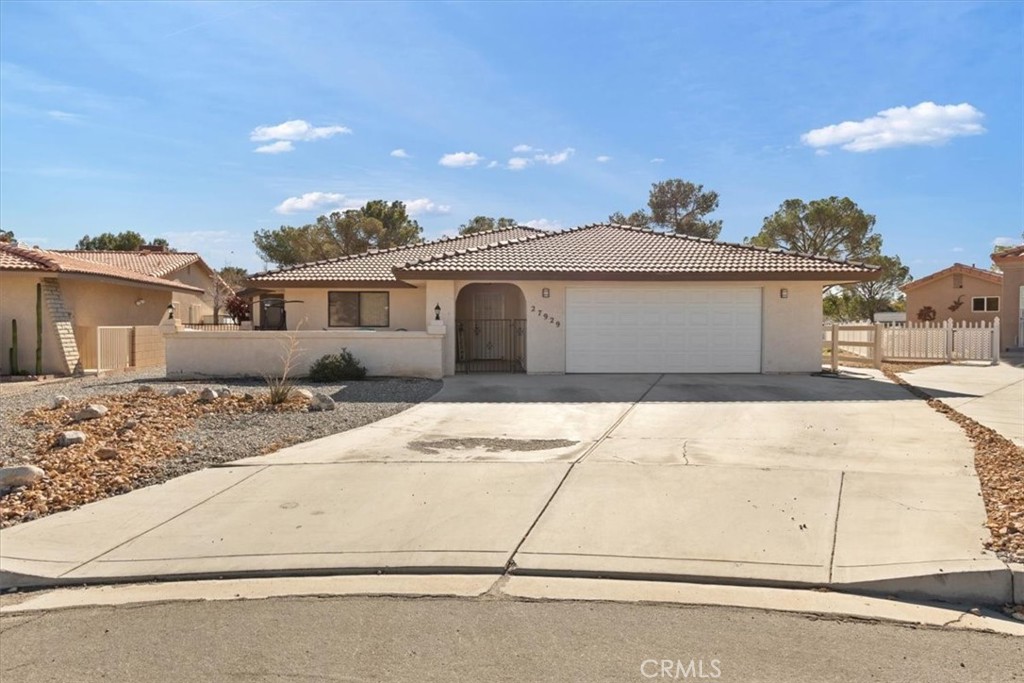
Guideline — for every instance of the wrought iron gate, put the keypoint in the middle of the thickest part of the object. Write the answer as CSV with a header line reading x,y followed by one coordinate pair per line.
x,y
490,345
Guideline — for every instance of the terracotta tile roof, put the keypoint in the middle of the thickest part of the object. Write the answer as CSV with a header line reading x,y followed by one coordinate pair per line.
x,y
15,258
1011,254
606,251
956,269
155,263
378,266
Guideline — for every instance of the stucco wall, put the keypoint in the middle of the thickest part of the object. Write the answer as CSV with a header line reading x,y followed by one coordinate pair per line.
x,y
195,276
406,307
93,303
940,295
257,353
1009,316
18,302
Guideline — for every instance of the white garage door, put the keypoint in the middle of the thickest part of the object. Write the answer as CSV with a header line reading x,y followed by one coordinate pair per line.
x,y
670,329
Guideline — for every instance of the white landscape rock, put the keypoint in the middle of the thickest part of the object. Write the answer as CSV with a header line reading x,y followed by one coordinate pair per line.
x,y
321,402
177,391
223,392
207,395
304,393
60,401
91,412
71,438
20,475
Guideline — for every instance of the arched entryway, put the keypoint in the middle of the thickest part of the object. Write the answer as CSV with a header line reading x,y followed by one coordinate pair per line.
x,y
490,328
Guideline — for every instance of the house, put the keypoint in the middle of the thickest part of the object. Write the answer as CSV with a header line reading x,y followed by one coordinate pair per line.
x,y
186,268
962,293
599,298
84,304
1011,263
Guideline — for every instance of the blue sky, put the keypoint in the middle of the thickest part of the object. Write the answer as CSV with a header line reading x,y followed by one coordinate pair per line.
x,y
201,123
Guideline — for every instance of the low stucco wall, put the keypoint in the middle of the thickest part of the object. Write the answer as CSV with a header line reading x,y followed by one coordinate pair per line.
x,y
256,353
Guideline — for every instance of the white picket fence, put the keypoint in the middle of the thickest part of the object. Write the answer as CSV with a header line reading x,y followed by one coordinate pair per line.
x,y
915,341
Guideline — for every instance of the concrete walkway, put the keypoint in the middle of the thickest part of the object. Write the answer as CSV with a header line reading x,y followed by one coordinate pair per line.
x,y
750,479
991,394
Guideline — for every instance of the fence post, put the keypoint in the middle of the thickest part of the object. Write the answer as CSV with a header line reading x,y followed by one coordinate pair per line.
x,y
879,331
835,349
996,343
948,327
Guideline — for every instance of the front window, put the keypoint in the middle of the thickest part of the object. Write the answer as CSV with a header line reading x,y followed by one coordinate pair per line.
x,y
985,304
358,309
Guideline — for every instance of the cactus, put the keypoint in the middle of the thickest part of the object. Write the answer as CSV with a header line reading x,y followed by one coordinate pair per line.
x,y
14,347
39,328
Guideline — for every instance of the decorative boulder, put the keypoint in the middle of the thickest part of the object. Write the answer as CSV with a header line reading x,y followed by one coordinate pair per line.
x,y
248,397
70,438
321,402
60,401
207,395
144,389
177,391
20,475
223,392
90,412
304,393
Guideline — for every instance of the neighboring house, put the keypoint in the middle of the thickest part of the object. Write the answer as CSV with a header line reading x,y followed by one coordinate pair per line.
x,y
78,297
1011,263
187,268
599,298
961,293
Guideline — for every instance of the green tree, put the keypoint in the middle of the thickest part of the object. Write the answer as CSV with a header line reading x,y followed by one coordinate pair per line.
x,y
378,225
129,240
881,294
677,206
485,224
834,228
6,235
234,276
638,219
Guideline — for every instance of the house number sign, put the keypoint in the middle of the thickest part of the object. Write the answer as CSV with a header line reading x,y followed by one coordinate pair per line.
x,y
545,316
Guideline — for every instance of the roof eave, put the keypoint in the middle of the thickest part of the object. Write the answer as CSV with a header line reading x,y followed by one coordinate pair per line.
x,y
506,275
268,285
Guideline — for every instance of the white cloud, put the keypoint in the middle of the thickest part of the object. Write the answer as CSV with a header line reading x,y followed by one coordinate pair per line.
x,y
657,160
419,207
957,249
460,159
523,149
603,159
493,164
296,130
1005,242
399,153
821,152
557,157
518,163
543,224
924,124
276,147
64,116
315,201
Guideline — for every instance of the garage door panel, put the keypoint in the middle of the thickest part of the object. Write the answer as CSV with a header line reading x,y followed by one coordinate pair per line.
x,y
673,329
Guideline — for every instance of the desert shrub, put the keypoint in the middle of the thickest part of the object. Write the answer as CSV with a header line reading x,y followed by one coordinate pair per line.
x,y
337,366
280,386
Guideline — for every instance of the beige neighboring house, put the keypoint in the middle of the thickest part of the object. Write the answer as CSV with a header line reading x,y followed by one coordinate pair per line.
x,y
961,293
595,299
183,267
1011,263
79,297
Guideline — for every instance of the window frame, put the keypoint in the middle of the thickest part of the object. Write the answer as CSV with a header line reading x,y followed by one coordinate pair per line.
x,y
984,304
359,308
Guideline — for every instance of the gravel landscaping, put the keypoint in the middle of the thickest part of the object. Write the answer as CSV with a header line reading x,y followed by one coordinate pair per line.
x,y
150,437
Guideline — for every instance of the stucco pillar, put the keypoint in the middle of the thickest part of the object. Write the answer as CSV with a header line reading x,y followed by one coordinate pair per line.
x,y
442,293
1010,301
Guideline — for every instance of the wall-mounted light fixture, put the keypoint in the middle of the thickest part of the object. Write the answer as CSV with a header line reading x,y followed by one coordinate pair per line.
x,y
170,311
546,293
437,311
783,293
140,302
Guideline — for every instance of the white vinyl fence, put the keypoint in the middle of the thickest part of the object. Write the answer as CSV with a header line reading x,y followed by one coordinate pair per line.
x,y
916,341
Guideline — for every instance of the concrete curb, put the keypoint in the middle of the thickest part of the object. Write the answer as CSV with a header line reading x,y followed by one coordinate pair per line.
x,y
1017,574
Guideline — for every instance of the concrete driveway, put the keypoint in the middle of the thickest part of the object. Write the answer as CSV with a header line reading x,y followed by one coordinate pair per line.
x,y
772,480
